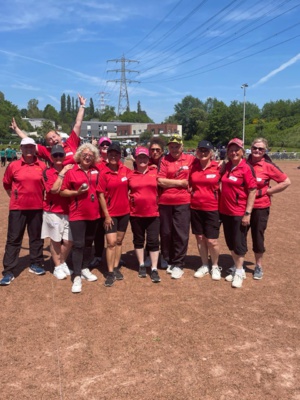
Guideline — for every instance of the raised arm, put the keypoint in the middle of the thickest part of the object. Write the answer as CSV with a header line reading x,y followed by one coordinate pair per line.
x,y
80,115
18,131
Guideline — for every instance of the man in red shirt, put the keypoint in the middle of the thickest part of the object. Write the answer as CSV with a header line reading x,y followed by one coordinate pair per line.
x,y
53,138
23,182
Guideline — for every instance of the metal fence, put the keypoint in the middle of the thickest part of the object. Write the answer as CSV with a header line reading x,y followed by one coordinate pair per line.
x,y
284,155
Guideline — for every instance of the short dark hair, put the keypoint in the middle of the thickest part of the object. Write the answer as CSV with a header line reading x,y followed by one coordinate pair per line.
x,y
158,141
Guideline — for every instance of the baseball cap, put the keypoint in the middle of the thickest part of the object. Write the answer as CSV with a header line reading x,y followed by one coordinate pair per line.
x,y
236,141
104,139
56,149
115,146
175,139
141,150
205,144
27,140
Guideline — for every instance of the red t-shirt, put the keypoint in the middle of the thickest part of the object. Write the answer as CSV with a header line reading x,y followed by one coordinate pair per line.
x,y
114,185
205,185
70,146
143,193
236,183
171,168
26,184
86,205
54,202
265,171
101,164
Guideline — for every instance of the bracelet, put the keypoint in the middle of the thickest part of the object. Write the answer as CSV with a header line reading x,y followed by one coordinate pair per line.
x,y
82,106
61,176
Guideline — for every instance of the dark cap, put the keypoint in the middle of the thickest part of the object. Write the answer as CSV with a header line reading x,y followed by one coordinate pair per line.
x,y
205,144
57,148
115,146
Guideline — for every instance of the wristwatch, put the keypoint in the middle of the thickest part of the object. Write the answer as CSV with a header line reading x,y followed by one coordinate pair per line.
x,y
247,213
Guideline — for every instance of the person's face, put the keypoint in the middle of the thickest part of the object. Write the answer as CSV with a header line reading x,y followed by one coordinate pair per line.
x,y
103,148
28,150
87,158
53,138
58,158
155,152
142,160
258,149
113,157
203,153
175,149
235,153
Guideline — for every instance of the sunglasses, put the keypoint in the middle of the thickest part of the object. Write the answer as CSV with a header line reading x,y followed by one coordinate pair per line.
x,y
203,150
104,145
56,155
154,149
258,148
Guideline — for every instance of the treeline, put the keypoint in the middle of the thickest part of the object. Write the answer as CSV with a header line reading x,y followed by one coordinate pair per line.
x,y
277,121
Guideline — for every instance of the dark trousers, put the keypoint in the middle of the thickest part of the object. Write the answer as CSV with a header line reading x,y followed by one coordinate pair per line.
x,y
235,234
258,225
17,222
83,233
99,238
174,232
142,226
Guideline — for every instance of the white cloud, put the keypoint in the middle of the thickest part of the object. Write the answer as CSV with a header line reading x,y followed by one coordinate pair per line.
x,y
277,70
24,86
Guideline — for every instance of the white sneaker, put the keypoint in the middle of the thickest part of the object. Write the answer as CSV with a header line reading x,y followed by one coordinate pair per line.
x,y
76,287
177,273
66,269
147,262
237,281
169,269
216,273
229,278
59,272
201,272
163,263
86,274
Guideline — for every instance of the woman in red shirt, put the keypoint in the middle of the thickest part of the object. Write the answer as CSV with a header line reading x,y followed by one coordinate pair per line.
x,y
236,203
265,171
112,193
144,216
79,185
204,182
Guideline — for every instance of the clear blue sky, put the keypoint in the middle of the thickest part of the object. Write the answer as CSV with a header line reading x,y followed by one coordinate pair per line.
x,y
186,47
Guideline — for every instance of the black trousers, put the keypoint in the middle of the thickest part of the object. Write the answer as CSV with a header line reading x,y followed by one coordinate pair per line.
x,y
258,225
83,233
18,220
174,232
142,226
99,238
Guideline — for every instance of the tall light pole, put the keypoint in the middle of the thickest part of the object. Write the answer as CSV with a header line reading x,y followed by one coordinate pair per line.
x,y
244,86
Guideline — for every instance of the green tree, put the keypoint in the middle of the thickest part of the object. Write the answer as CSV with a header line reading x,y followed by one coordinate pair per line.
x,y
33,109
69,104
2,97
187,115
145,137
46,127
50,113
63,107
91,110
107,114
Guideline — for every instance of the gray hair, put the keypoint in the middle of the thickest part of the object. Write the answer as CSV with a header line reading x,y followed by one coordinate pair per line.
x,y
91,148
263,140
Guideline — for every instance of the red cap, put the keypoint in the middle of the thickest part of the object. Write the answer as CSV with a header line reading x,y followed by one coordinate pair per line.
x,y
236,141
141,150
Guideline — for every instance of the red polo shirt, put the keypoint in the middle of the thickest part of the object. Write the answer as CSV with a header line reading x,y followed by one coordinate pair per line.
x,y
54,202
26,184
236,183
265,170
205,185
70,146
143,193
172,168
86,205
114,185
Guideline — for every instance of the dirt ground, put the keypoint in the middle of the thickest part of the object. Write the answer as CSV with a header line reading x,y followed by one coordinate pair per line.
x,y
179,339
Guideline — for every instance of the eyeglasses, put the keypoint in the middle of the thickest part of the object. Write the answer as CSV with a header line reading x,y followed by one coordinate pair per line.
x,y
90,156
155,149
56,155
258,148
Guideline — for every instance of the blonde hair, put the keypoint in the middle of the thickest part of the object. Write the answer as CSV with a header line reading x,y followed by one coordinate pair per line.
x,y
263,140
91,148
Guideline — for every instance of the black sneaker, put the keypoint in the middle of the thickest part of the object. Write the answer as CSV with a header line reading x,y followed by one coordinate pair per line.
x,y
154,276
142,271
110,279
118,274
